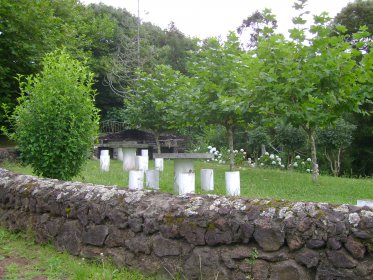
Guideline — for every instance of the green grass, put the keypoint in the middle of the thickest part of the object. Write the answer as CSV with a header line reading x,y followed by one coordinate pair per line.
x,y
21,258
255,182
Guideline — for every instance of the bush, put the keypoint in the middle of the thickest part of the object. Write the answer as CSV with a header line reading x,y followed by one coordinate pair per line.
x,y
56,122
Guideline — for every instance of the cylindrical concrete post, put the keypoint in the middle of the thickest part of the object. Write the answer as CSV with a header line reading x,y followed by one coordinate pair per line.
x,y
181,166
142,163
129,159
145,153
105,163
120,154
232,183
136,180
207,179
152,179
186,183
159,164
104,153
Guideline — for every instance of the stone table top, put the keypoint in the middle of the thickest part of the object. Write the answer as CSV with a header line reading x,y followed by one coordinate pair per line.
x,y
184,155
128,144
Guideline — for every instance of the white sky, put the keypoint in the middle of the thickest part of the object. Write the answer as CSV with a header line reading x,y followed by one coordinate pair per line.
x,y
206,18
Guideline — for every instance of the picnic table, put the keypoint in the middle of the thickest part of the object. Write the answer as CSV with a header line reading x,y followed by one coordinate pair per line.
x,y
183,163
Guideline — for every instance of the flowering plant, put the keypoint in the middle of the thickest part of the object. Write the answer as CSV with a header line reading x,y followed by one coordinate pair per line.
x,y
300,164
270,161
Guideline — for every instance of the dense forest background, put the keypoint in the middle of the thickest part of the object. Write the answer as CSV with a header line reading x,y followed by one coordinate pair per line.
x,y
116,45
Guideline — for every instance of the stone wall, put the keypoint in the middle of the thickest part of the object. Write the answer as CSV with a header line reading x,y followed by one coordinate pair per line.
x,y
8,154
195,236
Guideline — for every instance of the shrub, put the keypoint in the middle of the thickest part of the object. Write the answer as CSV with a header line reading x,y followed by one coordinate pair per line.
x,y
56,122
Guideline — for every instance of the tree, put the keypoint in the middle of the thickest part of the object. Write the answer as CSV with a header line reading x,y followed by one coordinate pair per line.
x,y
353,16
56,122
152,105
334,140
222,77
311,82
259,24
29,30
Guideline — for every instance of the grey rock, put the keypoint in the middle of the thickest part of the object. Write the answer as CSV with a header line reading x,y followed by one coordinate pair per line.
x,y
70,238
215,236
356,248
260,270
95,235
139,244
118,237
334,244
270,236
341,259
294,242
308,258
288,270
193,233
315,243
166,247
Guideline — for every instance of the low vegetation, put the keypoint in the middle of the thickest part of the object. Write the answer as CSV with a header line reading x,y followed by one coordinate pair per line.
x,y
21,258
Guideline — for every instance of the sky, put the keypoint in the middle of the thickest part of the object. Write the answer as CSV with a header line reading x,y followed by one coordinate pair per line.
x,y
207,18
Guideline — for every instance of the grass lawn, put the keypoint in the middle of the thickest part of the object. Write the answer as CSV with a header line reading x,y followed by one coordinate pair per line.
x,y
255,182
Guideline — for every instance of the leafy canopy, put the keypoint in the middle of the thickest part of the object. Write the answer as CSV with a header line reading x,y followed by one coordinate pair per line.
x,y
56,122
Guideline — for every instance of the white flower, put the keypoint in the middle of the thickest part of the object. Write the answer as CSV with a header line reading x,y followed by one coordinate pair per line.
x,y
212,150
262,164
272,156
279,159
209,147
195,150
249,160
308,170
244,153
228,151
266,153
223,162
273,162
219,156
303,163
242,150
297,157
295,164
220,161
235,151
208,160
216,153
283,166
308,159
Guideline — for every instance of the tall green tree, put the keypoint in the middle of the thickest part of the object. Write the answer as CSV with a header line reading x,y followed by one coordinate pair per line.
x,y
222,77
156,102
353,16
30,29
311,82
56,122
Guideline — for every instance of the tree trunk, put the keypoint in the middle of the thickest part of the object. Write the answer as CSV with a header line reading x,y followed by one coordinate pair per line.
x,y
230,145
156,136
315,166
263,149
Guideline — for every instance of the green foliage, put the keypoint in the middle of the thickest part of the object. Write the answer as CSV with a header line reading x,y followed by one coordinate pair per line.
x,y
311,82
29,30
56,122
157,100
221,74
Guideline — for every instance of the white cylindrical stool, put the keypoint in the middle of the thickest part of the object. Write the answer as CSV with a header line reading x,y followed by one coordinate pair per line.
x,y
104,160
129,159
142,163
159,164
232,183
152,179
186,183
120,154
145,153
136,180
207,179
181,166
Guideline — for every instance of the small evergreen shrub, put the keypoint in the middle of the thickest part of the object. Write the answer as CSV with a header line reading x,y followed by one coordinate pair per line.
x,y
56,122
